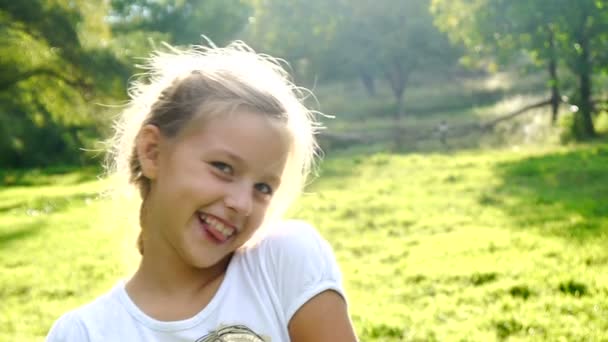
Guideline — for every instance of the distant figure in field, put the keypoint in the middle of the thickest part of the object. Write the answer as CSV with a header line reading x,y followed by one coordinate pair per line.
x,y
442,129
218,144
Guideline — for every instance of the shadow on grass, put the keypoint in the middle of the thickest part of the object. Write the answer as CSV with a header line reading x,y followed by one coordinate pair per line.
x,y
563,194
38,177
456,103
8,237
47,204
342,166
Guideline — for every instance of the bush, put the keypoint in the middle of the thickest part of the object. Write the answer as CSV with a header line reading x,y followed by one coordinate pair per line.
x,y
566,124
601,122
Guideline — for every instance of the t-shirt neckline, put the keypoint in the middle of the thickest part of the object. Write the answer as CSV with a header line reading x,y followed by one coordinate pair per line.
x,y
184,324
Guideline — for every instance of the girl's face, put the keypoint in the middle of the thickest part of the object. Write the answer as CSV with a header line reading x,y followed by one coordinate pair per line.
x,y
211,185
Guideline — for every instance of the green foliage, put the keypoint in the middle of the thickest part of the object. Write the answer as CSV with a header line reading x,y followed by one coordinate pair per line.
x,y
601,122
499,28
547,32
389,39
299,31
184,21
49,76
61,60
566,128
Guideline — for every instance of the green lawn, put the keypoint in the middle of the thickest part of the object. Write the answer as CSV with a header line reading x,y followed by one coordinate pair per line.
x,y
473,245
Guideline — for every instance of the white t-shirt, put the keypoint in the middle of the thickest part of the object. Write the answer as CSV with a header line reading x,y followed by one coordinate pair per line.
x,y
263,287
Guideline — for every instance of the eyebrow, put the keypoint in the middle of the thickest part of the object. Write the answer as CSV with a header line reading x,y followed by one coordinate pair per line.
x,y
272,177
231,155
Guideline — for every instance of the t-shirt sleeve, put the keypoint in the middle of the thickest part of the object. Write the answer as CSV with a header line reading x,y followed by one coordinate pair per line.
x,y
303,265
68,328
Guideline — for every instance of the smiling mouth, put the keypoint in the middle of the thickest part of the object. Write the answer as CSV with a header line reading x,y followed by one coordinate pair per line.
x,y
216,228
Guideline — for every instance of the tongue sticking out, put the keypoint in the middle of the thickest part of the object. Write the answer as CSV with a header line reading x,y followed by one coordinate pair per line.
x,y
217,235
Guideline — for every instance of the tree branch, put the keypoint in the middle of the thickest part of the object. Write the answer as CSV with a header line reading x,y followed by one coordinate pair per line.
x,y
493,123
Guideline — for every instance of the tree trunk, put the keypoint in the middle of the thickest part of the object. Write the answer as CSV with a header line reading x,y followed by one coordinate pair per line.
x,y
399,114
586,107
398,80
368,83
398,76
553,80
400,105
584,123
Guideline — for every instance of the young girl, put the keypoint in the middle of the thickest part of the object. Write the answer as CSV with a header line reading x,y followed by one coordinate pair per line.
x,y
218,145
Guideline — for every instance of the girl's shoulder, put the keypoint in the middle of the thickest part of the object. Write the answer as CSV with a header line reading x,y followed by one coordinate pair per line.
x,y
81,323
69,327
294,243
297,234
297,262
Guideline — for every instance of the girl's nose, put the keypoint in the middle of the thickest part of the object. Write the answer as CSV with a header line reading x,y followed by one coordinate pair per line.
x,y
238,198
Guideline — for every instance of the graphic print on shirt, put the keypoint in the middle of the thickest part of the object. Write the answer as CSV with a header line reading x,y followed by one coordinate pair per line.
x,y
233,333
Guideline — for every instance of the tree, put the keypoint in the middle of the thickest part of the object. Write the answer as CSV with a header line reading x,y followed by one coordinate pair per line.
x,y
299,31
59,58
389,39
583,35
50,68
182,22
397,38
547,30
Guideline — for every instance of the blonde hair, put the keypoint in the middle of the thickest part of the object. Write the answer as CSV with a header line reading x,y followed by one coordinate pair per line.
x,y
180,85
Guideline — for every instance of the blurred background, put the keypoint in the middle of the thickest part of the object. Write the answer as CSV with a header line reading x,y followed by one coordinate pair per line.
x,y
465,180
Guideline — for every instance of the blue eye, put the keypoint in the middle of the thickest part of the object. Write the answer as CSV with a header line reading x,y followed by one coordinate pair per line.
x,y
223,167
264,188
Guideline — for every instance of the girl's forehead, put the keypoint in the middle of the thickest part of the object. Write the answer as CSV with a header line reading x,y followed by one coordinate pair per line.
x,y
242,135
234,119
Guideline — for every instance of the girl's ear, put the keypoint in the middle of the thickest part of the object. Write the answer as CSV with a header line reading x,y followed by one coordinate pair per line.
x,y
148,150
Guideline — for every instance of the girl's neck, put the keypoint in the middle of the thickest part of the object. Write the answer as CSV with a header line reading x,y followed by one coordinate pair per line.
x,y
164,277
168,292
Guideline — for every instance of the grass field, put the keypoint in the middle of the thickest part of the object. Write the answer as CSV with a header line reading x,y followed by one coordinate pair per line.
x,y
466,246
